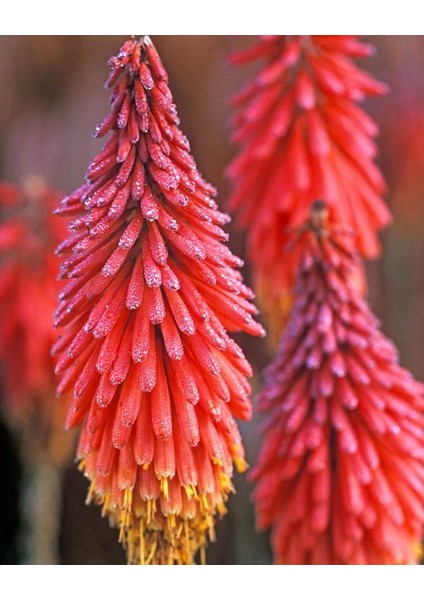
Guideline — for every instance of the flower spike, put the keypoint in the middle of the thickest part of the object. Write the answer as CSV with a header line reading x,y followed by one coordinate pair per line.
x,y
28,292
303,136
340,475
28,295
152,291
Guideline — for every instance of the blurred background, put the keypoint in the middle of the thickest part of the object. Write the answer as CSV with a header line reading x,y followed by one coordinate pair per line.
x,y
52,97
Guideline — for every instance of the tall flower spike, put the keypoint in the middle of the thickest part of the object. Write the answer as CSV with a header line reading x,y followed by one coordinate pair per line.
x,y
302,136
152,291
28,295
340,475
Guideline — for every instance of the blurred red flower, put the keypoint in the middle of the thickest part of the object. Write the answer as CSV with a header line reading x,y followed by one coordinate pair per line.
x,y
152,291
303,136
28,295
340,475
404,153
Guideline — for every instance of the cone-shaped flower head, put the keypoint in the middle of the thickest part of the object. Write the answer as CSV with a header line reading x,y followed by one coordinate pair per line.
x,y
152,292
340,475
303,136
28,295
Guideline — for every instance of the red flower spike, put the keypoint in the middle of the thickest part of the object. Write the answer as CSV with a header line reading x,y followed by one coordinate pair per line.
x,y
302,136
340,475
28,294
152,292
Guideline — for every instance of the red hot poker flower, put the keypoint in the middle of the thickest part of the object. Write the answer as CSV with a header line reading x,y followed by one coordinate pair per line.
x,y
152,292
303,136
28,295
340,475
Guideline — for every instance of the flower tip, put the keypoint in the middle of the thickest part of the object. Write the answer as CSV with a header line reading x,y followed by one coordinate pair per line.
x,y
384,88
262,332
228,218
235,58
241,464
368,49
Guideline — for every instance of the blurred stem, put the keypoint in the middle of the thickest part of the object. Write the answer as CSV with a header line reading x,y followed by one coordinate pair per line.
x,y
40,505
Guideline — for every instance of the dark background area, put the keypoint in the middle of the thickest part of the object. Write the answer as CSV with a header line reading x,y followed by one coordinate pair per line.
x,y
51,99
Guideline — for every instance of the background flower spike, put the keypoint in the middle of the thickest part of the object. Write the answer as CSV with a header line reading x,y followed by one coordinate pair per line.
x,y
152,292
28,294
301,135
340,475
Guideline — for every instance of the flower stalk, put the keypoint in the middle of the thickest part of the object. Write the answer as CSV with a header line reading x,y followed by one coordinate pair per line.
x,y
151,292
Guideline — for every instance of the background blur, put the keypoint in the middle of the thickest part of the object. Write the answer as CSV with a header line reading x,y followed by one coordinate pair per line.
x,y
52,97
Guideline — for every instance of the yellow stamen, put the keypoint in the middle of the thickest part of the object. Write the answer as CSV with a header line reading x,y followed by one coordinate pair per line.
x,y
164,487
204,502
190,491
121,531
225,482
106,505
91,493
171,521
186,540
180,528
151,509
166,533
222,510
151,553
128,494
241,464
142,543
